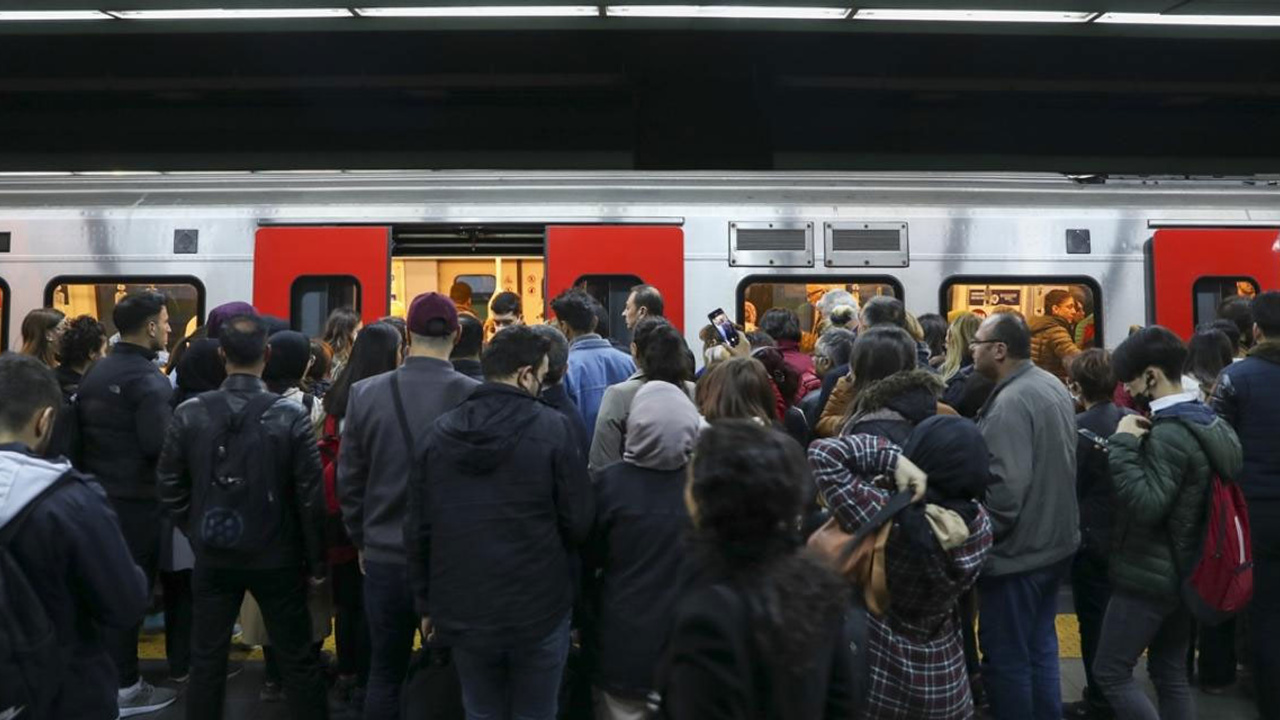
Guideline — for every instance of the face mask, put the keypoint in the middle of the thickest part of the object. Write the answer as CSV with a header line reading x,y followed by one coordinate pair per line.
x,y
1143,399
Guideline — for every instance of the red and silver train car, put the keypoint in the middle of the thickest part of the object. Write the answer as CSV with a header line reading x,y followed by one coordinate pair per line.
x,y
299,244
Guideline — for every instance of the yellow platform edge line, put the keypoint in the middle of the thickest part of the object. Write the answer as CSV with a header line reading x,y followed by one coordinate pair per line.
x,y
151,645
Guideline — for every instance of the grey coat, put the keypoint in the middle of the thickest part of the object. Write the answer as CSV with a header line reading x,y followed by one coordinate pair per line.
x,y
611,424
1030,428
373,466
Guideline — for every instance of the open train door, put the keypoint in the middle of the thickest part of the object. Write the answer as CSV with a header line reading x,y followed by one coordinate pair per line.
x,y
608,260
304,273
1193,269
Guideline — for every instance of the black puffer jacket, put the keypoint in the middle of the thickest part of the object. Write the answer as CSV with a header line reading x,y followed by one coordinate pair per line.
x,y
123,409
892,407
299,477
1247,395
495,521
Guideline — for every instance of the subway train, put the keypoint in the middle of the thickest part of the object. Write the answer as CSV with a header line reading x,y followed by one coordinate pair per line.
x,y
1133,250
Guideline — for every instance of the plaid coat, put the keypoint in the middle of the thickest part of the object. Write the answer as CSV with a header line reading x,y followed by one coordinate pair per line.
x,y
916,654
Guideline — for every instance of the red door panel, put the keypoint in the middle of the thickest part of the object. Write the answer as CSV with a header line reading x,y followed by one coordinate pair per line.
x,y
1180,257
281,255
653,253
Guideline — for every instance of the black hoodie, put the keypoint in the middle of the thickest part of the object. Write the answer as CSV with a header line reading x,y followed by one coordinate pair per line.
x,y
495,517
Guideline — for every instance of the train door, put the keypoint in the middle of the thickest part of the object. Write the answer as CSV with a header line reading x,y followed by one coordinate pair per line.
x,y
608,260
304,273
1191,271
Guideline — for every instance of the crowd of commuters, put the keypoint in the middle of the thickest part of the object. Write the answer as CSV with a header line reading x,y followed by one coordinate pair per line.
x,y
520,495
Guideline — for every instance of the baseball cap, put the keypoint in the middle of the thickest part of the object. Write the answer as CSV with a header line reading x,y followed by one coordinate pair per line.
x,y
432,314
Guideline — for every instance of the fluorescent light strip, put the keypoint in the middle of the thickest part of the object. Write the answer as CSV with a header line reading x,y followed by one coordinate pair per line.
x,y
51,15
464,11
754,12
1218,20
1023,16
232,14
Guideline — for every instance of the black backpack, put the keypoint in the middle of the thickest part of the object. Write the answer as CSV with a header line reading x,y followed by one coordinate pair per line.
x,y
31,660
237,504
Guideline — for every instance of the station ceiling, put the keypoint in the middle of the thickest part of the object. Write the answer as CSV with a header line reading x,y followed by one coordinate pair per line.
x,y
641,93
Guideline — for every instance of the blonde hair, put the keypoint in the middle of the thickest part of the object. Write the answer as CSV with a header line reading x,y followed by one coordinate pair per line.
x,y
913,328
959,336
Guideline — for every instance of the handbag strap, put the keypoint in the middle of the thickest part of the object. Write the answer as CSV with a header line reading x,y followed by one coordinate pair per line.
x,y
403,419
896,504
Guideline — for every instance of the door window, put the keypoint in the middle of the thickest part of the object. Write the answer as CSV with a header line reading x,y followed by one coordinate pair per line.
x,y
313,297
611,292
97,296
1209,293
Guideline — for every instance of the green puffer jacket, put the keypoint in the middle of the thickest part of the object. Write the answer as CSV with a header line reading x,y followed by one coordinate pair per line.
x,y
1161,484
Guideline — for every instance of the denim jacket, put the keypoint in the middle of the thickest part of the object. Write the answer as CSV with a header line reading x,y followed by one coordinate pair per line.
x,y
594,365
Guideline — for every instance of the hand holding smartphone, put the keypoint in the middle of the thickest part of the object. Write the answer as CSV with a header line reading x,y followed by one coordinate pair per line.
x,y
724,328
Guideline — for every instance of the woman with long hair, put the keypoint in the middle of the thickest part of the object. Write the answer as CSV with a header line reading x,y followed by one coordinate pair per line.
x,y
340,333
878,352
966,390
375,351
758,626
893,395
736,389
41,331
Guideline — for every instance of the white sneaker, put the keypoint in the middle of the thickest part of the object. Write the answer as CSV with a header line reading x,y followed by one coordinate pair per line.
x,y
144,698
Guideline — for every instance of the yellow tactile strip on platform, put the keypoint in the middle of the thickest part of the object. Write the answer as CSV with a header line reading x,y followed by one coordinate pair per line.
x,y
151,645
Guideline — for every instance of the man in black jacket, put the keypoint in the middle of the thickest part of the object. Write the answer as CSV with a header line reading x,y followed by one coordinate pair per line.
x,y
374,467
270,545
67,545
465,355
1247,395
123,410
503,502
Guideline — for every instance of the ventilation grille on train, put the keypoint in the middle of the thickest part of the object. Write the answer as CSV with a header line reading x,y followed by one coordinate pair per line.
x,y
427,240
866,244
771,244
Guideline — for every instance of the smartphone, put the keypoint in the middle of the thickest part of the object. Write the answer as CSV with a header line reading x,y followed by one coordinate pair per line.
x,y
728,333
1102,443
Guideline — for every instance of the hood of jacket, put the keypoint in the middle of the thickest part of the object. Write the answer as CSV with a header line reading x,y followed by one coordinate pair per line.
x,y
23,476
912,394
1214,434
1042,323
661,427
481,433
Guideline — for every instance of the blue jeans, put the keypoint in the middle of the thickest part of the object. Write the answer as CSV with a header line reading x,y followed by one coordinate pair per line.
x,y
513,683
388,607
1020,643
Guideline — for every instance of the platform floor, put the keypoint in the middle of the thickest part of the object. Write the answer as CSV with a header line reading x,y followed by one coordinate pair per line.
x,y
243,704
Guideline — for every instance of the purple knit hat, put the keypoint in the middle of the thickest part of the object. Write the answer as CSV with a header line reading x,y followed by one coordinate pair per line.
x,y
225,312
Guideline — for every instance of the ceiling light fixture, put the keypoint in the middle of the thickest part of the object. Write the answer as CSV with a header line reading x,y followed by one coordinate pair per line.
x,y
469,11
51,15
232,14
1014,16
751,12
1218,20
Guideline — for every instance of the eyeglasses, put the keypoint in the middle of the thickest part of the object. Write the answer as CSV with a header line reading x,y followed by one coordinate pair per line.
x,y
973,343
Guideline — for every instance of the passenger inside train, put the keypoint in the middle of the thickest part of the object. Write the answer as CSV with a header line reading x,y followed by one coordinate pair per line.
x,y
475,508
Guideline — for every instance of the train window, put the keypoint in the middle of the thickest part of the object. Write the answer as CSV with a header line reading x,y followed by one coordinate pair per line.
x,y
4,315
1078,300
97,296
611,291
1208,293
313,297
801,293
483,288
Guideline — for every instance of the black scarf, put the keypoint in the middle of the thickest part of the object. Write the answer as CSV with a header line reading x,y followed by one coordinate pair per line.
x,y
951,451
